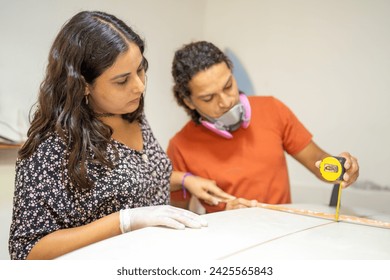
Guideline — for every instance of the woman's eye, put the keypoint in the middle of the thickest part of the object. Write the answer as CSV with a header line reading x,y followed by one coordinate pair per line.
x,y
122,82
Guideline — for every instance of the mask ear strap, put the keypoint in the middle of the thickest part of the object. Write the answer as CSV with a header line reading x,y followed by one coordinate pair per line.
x,y
210,126
247,110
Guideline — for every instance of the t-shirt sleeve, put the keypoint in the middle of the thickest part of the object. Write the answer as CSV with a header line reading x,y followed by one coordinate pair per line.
x,y
295,135
37,187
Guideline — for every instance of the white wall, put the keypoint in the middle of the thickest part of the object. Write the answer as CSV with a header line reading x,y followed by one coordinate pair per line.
x,y
27,29
329,61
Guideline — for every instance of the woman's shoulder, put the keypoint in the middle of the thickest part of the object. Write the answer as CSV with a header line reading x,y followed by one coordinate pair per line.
x,y
52,143
52,146
47,161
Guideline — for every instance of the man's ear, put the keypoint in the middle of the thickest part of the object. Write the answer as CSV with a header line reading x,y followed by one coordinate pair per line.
x,y
189,103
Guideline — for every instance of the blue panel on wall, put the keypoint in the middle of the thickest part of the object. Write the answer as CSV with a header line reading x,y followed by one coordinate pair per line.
x,y
241,75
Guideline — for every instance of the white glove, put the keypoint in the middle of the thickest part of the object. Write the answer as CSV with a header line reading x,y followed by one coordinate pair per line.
x,y
161,215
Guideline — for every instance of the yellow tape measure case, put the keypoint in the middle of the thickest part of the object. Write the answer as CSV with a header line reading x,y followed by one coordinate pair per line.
x,y
332,168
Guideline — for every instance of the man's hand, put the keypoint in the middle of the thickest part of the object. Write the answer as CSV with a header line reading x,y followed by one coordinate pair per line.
x,y
206,190
240,203
351,167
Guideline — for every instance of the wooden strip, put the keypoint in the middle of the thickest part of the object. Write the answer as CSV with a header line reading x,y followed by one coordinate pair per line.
x,y
344,218
364,221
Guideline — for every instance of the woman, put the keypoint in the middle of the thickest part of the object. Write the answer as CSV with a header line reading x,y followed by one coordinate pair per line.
x,y
91,167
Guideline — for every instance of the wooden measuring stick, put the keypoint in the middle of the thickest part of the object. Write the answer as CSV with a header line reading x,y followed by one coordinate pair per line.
x,y
344,218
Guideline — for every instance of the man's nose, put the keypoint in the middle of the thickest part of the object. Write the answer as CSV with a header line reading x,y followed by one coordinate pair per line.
x,y
225,101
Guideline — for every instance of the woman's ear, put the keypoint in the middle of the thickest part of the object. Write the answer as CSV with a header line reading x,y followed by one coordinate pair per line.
x,y
87,87
87,92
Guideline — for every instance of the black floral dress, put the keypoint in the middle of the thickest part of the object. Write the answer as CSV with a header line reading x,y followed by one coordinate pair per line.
x,y
46,201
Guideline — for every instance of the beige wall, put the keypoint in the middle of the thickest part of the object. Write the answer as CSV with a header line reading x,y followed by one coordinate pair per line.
x,y
7,174
27,29
328,60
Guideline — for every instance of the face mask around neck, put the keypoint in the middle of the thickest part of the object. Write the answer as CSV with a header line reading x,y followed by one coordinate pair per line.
x,y
231,120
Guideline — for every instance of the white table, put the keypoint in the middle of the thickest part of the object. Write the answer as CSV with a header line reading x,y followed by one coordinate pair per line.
x,y
250,234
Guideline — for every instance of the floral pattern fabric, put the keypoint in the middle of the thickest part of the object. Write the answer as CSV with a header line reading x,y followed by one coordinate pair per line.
x,y
46,201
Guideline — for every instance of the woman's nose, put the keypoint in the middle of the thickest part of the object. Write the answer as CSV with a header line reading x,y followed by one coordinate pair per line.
x,y
139,85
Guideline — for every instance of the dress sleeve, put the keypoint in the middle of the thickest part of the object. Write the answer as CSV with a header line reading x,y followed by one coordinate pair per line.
x,y
38,186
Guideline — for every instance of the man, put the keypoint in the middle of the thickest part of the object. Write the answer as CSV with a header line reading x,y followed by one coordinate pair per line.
x,y
237,141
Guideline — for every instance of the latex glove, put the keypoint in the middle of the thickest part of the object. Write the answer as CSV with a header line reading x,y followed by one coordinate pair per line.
x,y
161,215
206,190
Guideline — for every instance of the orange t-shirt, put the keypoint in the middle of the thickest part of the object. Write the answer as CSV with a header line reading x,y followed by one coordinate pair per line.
x,y
252,164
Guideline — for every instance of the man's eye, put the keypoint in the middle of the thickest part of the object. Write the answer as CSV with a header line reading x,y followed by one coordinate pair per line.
x,y
207,99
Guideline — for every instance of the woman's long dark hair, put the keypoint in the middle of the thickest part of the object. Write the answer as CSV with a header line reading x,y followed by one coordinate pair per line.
x,y
86,46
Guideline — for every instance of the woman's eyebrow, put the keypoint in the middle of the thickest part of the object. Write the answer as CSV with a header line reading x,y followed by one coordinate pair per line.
x,y
141,64
120,76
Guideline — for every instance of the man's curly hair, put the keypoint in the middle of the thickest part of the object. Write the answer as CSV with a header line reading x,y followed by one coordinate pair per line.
x,y
190,60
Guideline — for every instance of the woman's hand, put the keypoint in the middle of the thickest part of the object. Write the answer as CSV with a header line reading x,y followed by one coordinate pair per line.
x,y
161,215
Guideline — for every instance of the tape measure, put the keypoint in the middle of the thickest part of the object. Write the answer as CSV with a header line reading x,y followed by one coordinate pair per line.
x,y
332,168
